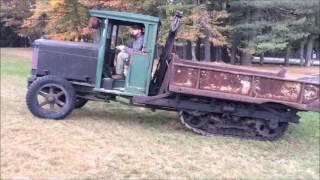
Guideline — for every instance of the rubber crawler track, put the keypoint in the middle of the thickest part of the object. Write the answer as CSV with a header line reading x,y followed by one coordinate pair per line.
x,y
232,132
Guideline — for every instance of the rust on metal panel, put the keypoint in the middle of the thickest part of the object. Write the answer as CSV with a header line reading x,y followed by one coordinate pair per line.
x,y
277,89
225,82
186,77
311,93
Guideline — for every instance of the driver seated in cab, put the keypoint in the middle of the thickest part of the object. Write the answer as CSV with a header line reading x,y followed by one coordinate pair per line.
x,y
123,56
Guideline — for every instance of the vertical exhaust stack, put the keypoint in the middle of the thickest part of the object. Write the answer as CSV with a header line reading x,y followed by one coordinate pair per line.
x,y
165,57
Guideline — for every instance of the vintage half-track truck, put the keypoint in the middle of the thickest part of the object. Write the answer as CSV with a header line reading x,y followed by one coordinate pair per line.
x,y
210,98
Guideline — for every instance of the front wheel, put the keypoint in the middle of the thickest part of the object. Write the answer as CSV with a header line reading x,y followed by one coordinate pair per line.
x,y
51,97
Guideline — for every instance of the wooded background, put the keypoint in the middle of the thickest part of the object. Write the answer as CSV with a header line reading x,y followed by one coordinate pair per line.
x,y
213,30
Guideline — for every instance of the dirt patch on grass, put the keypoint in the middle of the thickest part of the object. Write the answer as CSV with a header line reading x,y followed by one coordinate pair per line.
x,y
25,54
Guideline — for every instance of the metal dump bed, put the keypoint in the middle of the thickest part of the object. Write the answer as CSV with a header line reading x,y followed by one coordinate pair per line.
x,y
244,85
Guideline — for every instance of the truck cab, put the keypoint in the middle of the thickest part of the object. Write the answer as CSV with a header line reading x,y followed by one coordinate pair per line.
x,y
138,76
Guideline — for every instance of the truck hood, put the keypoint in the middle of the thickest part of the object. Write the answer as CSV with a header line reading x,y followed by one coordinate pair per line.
x,y
66,44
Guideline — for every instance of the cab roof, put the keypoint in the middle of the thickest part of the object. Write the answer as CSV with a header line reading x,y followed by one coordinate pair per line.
x,y
125,16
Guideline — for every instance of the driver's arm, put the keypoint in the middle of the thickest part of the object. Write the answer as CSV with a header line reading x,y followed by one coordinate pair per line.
x,y
137,45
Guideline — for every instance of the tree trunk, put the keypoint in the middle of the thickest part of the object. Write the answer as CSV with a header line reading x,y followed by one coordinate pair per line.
x,y
224,4
96,36
317,46
233,54
184,50
207,33
161,14
287,58
193,50
251,16
207,51
194,43
189,50
302,43
261,59
218,54
310,44
245,58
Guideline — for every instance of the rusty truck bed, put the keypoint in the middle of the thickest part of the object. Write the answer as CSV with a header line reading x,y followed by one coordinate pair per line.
x,y
241,84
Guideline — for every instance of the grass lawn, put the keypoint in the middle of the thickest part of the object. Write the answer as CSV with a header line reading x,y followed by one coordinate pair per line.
x,y
116,141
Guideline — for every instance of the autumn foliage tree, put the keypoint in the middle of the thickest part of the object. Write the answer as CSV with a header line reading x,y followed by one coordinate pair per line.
x,y
63,19
12,15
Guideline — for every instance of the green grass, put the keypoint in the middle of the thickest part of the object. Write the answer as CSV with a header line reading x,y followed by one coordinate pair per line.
x,y
111,140
309,125
14,68
13,64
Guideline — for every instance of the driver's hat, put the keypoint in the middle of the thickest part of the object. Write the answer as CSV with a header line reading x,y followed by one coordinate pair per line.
x,y
137,26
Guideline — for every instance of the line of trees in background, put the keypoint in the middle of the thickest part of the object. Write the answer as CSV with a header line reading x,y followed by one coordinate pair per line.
x,y
241,28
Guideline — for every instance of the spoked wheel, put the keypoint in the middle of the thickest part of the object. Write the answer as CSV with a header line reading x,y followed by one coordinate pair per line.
x,y
268,133
51,97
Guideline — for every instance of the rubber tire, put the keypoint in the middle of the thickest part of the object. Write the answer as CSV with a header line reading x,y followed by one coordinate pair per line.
x,y
36,110
79,103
